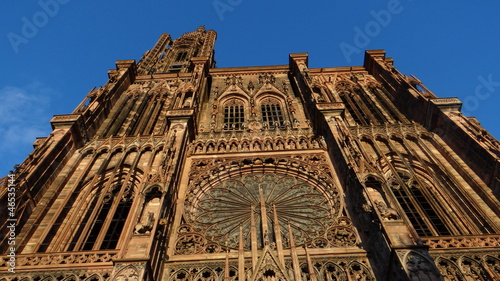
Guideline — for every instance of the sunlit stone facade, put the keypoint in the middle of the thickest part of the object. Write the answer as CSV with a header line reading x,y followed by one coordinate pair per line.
x,y
178,170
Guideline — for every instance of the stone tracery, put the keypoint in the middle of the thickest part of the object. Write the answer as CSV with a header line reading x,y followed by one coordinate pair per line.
x,y
226,206
216,208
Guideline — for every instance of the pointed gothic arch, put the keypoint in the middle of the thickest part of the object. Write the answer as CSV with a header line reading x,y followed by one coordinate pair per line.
x,y
449,270
99,213
274,111
473,269
71,277
419,205
127,273
221,199
319,94
206,274
233,113
419,266
359,271
95,277
332,272
180,275
149,210
493,263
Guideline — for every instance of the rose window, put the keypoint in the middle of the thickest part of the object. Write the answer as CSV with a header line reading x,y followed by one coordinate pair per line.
x,y
223,211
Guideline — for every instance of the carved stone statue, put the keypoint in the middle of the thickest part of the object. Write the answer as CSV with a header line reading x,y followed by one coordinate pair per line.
x,y
145,227
385,212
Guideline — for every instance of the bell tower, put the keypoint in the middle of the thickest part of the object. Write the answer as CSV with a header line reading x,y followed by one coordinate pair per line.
x,y
175,56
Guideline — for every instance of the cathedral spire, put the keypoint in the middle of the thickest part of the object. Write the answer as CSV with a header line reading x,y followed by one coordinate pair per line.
x,y
226,266
263,217
253,236
241,257
310,266
295,258
277,234
175,56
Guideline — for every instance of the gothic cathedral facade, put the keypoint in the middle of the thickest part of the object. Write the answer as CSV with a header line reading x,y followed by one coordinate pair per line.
x,y
178,170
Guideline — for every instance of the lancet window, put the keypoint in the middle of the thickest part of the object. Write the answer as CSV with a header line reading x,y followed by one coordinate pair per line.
x,y
181,56
356,112
107,210
360,105
94,217
272,114
234,115
415,200
110,219
382,97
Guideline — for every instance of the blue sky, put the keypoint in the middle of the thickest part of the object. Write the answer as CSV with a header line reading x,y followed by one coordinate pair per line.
x,y
55,51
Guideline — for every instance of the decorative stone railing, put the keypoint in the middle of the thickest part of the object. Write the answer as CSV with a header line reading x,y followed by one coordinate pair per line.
x,y
246,141
44,261
447,242
386,129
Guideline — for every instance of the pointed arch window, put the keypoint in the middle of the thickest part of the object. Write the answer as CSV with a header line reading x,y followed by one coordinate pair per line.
x,y
356,112
181,56
110,218
234,115
272,114
418,207
360,106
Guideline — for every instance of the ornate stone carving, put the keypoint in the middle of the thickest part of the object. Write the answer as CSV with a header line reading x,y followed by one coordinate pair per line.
x,y
219,212
359,271
253,141
266,78
385,212
341,236
58,259
449,270
455,266
190,243
66,275
419,267
314,165
474,269
234,80
209,273
129,273
144,227
351,267
332,271
492,241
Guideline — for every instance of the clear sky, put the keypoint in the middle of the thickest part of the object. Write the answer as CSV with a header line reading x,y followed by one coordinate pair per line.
x,y
55,51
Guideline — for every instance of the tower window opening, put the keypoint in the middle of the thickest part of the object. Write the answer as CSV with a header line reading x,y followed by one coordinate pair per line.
x,y
419,210
181,56
272,114
234,116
